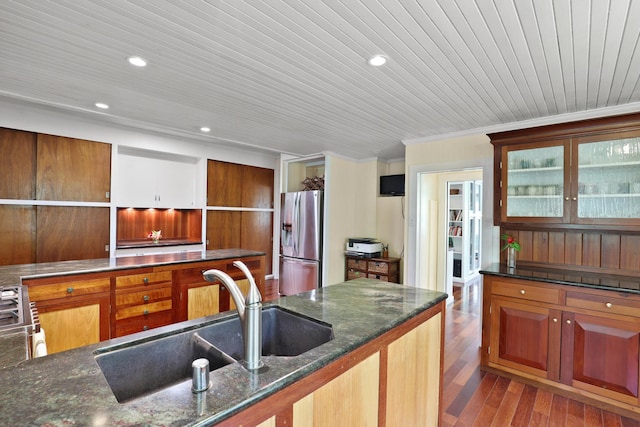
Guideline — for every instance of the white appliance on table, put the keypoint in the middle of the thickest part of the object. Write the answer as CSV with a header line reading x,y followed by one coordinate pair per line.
x,y
300,241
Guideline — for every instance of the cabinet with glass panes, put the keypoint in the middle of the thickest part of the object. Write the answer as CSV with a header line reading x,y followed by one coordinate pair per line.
x,y
591,179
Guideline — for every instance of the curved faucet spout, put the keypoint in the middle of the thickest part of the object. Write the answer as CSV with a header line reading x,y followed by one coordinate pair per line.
x,y
249,310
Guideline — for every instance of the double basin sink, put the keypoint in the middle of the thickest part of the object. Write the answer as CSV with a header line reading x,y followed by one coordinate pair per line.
x,y
144,366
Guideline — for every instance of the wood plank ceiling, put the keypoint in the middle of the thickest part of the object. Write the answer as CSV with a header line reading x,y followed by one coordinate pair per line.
x,y
291,76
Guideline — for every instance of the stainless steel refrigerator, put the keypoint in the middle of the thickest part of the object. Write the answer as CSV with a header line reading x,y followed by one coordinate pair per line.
x,y
300,241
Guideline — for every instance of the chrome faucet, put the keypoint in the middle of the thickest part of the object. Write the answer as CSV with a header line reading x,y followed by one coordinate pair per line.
x,y
249,311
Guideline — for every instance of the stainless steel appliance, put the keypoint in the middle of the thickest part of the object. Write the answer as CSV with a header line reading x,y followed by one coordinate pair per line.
x,y
300,241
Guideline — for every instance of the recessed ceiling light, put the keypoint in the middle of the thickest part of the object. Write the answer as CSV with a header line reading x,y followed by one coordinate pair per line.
x,y
377,60
205,129
101,105
137,61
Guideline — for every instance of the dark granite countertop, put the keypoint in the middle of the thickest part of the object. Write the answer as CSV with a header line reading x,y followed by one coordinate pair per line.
x,y
12,274
612,282
68,388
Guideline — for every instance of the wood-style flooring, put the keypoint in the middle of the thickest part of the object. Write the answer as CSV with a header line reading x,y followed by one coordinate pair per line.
x,y
472,397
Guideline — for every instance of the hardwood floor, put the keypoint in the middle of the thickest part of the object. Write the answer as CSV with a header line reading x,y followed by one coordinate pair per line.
x,y
472,397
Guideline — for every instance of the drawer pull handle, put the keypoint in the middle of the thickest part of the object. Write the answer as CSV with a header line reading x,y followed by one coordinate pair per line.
x,y
145,280
608,305
69,290
522,292
555,320
145,298
146,312
145,328
568,322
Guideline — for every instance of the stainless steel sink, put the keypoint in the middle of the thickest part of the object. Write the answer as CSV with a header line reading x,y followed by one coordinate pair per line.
x,y
141,368
137,368
284,333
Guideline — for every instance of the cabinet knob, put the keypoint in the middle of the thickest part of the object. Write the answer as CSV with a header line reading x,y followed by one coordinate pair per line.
x,y
574,198
145,298
567,198
555,320
145,312
69,290
568,322
522,292
145,328
608,305
145,280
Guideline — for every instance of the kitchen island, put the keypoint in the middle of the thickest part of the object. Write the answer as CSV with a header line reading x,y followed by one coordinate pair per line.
x,y
384,365
575,331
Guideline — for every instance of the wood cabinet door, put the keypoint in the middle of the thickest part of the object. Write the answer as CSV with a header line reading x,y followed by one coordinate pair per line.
x,y
223,229
17,234
17,164
525,337
203,301
350,400
256,233
413,380
72,169
257,187
72,233
74,323
601,355
224,184
535,182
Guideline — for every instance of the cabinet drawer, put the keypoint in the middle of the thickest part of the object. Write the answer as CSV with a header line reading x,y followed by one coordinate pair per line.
x,y
382,267
142,279
528,292
189,276
620,306
378,277
142,297
354,274
142,309
143,323
357,264
68,289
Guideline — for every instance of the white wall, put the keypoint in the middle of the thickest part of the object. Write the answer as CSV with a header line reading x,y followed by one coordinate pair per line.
x,y
457,154
350,206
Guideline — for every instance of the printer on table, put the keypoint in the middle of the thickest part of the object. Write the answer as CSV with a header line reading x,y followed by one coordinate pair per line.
x,y
365,247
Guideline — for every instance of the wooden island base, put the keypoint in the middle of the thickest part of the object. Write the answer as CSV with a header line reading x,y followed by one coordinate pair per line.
x,y
393,380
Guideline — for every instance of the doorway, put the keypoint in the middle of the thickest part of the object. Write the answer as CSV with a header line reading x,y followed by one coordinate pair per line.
x,y
429,235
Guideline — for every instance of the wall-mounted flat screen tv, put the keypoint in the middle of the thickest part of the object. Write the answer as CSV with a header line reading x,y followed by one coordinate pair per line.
x,y
392,185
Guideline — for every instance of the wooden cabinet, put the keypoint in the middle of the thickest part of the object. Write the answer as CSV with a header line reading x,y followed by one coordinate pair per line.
x,y
241,208
387,269
71,180
72,233
17,164
144,180
526,337
393,380
142,301
198,298
578,339
574,173
352,398
81,309
73,310
72,169
414,379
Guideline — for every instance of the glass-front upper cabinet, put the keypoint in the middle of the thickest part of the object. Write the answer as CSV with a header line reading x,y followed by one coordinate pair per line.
x,y
607,188
587,180
534,177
